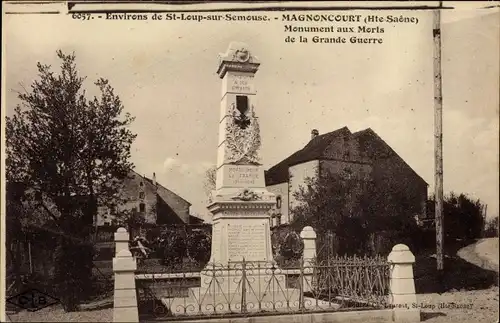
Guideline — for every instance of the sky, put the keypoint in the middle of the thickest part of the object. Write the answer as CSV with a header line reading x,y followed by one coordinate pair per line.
x,y
165,74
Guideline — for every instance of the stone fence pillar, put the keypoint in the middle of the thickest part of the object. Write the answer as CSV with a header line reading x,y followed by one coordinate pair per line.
x,y
124,267
402,286
309,256
122,239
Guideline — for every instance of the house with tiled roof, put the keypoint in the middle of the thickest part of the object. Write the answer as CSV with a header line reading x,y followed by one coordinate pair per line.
x,y
151,200
365,155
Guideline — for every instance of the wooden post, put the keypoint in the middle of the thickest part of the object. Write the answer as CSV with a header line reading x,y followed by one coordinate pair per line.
x,y
438,137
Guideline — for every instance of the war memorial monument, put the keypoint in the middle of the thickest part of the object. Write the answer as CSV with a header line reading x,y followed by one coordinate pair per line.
x,y
241,270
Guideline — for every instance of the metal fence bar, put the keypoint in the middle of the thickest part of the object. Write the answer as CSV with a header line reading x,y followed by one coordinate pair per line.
x,y
244,288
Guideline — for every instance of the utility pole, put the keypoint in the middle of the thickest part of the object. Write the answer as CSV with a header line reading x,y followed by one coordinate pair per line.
x,y
438,138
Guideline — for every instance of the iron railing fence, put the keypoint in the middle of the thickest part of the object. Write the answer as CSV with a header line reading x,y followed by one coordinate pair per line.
x,y
262,288
364,280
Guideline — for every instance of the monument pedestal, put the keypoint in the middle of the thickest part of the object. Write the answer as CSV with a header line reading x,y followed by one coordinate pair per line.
x,y
241,244
241,230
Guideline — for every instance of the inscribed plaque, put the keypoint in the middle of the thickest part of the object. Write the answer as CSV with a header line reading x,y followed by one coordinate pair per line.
x,y
248,241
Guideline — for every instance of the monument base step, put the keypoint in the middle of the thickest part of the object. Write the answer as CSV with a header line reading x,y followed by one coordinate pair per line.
x,y
198,303
230,281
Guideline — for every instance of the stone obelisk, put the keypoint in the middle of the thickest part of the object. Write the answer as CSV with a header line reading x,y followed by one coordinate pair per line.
x,y
240,203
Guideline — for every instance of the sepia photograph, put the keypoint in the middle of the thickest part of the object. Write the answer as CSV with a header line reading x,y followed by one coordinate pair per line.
x,y
266,161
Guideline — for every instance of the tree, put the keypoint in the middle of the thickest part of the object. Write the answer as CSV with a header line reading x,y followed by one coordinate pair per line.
x,y
324,201
463,216
71,152
210,178
336,203
341,206
491,228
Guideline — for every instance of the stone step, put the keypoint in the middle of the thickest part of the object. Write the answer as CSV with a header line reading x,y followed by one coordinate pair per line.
x,y
258,281
276,301
263,294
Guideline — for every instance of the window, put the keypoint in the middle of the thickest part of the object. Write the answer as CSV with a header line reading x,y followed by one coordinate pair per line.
x,y
142,207
278,202
141,195
141,184
278,220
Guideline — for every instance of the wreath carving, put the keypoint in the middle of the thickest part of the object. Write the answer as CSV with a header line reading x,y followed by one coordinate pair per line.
x,y
242,137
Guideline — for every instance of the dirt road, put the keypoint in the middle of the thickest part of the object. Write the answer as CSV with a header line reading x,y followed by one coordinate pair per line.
x,y
483,253
479,306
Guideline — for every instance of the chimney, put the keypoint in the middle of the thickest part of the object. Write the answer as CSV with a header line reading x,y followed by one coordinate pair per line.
x,y
314,133
154,179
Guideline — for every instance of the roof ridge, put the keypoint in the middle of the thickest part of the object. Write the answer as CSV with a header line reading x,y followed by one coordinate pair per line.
x,y
172,192
392,150
340,130
334,131
360,132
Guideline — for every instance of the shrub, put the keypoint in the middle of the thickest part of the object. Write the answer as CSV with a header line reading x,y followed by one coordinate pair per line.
x,y
73,279
172,247
287,245
199,246
292,247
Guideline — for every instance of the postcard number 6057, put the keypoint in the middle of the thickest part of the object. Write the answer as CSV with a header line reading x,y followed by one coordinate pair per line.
x,y
81,16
